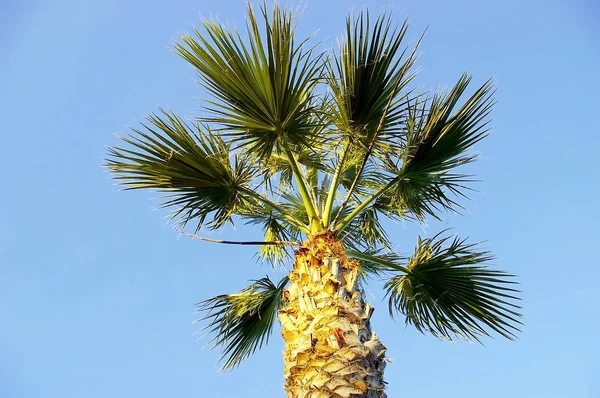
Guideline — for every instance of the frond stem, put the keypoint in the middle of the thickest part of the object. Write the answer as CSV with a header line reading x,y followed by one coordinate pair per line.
x,y
334,185
315,222
244,243
340,226
378,260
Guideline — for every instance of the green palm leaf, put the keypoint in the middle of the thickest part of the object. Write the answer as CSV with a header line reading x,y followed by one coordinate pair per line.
x,y
264,89
241,323
367,78
194,167
445,289
437,142
366,107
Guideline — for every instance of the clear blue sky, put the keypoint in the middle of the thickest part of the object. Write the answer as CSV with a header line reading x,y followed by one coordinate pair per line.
x,y
97,291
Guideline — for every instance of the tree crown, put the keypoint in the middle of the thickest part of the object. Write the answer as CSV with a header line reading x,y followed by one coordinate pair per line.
x,y
303,143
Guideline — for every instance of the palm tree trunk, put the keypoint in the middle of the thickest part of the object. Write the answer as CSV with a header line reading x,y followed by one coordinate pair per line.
x,y
330,351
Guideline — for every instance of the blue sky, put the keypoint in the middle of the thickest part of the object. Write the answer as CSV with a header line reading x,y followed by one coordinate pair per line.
x,y
97,291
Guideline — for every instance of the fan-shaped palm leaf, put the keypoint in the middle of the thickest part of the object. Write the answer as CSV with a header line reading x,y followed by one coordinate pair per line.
x,y
367,78
264,89
445,289
421,176
241,323
366,81
437,141
193,166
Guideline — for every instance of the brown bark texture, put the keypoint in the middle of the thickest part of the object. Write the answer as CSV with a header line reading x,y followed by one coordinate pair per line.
x,y
330,350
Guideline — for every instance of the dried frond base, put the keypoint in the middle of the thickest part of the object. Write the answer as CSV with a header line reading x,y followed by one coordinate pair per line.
x,y
330,351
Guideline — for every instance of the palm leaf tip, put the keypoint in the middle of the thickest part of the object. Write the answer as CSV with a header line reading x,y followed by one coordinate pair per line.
x,y
446,289
241,323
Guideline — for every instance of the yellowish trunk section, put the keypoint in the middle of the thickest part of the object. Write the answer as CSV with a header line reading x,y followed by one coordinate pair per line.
x,y
330,351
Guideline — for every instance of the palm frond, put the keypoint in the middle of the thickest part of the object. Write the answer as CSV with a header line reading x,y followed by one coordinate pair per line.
x,y
274,230
445,289
368,108
437,142
194,167
264,89
241,323
367,77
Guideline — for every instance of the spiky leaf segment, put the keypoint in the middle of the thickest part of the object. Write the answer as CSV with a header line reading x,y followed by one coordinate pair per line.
x,y
193,166
241,323
445,289
263,89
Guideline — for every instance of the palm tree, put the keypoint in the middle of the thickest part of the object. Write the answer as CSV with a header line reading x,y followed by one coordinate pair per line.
x,y
317,148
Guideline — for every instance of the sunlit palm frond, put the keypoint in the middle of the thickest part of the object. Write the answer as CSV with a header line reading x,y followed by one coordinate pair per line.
x,y
366,84
387,205
193,166
368,77
263,89
437,142
278,173
445,289
241,323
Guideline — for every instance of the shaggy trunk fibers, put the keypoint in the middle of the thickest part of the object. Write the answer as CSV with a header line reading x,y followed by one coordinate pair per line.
x,y
330,351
